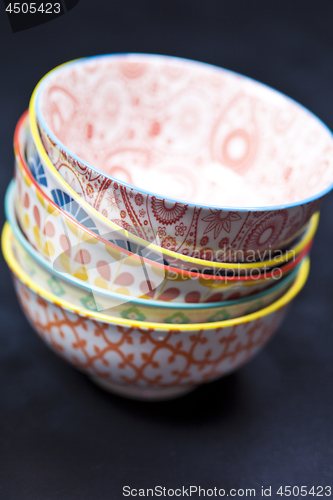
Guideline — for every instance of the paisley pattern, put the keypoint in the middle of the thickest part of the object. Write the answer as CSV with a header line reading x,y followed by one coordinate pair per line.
x,y
185,131
267,231
150,253
235,137
140,233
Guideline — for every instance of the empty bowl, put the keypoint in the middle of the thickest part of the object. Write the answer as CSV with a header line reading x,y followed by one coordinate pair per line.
x,y
52,184
205,162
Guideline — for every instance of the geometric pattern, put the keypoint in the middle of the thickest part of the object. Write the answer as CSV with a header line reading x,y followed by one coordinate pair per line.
x,y
145,357
72,207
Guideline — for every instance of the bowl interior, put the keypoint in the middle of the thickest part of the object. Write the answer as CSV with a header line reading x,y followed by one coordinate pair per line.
x,y
187,131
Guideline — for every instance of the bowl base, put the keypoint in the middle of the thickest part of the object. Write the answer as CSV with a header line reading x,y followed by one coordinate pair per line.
x,y
141,393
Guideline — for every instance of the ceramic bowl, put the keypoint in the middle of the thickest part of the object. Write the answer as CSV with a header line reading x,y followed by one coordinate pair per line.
x,y
146,360
74,250
209,161
93,298
52,184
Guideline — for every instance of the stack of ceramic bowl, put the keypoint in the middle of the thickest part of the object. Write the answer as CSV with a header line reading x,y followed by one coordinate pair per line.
x,y
133,251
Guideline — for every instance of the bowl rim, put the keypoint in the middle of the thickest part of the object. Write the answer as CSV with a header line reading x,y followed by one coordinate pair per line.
x,y
72,280
81,311
35,101
308,235
310,231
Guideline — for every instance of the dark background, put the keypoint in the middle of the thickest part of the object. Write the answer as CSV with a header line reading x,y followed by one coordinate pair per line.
x,y
268,424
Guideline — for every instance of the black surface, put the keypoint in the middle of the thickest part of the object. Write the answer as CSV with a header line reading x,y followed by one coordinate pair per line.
x,y
270,423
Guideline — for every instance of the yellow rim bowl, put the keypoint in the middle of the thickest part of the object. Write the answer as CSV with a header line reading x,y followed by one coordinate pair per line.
x,y
26,279
196,262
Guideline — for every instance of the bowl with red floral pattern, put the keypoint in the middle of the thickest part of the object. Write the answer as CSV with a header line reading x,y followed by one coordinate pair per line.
x,y
208,161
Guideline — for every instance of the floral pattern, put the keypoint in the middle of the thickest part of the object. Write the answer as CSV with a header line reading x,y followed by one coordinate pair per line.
x,y
217,221
224,243
180,230
161,232
167,215
266,232
186,138
189,244
138,199
113,200
169,243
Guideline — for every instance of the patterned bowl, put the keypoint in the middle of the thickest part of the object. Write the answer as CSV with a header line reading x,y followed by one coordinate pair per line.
x,y
81,294
213,164
55,188
145,360
75,250
121,272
